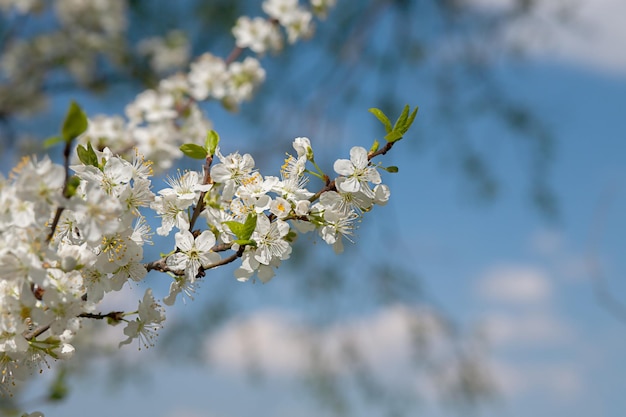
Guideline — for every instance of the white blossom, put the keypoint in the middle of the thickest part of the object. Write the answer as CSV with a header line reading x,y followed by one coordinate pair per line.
x,y
258,34
358,172
193,253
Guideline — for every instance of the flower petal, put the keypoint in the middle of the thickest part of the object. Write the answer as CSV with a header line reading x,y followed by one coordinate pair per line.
x,y
343,167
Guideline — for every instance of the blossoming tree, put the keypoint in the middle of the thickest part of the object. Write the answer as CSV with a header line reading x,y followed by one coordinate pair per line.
x,y
73,232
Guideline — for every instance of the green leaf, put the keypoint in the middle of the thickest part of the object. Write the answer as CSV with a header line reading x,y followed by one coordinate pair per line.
x,y
243,231
382,117
402,119
72,186
374,147
193,151
75,123
249,226
393,136
405,120
50,142
409,122
291,236
402,125
58,390
234,227
392,169
248,242
87,155
212,139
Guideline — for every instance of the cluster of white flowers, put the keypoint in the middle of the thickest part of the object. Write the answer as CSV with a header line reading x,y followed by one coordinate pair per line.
x,y
168,53
50,281
67,240
61,255
62,251
160,120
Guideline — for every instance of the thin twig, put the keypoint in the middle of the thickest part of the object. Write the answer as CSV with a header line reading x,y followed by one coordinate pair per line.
x,y
161,264
206,180
113,315
66,167
604,297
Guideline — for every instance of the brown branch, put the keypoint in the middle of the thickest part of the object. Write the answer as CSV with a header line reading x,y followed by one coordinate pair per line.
x,y
161,264
330,186
206,180
37,331
66,167
605,298
228,260
234,54
381,151
113,315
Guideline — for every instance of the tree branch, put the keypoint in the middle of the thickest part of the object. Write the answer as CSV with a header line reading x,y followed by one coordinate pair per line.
x,y
113,315
206,180
66,166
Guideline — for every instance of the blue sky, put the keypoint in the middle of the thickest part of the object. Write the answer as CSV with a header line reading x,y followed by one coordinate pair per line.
x,y
524,283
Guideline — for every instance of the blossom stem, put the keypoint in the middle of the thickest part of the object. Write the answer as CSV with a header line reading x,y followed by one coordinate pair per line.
x,y
320,176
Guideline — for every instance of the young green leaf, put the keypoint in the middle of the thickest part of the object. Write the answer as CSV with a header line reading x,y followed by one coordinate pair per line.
x,y
235,227
75,123
243,231
58,389
402,125
249,225
193,151
382,117
72,186
406,123
375,146
392,169
409,122
212,139
291,236
402,119
50,142
393,136
249,242
87,155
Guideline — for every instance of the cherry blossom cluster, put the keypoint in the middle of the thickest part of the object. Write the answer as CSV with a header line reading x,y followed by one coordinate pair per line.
x,y
55,275
159,120
62,252
73,233
258,217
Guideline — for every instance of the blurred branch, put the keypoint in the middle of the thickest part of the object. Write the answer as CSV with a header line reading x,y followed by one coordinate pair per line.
x,y
604,295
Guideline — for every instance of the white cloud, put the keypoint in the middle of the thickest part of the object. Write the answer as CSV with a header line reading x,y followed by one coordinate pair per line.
x,y
561,381
186,412
564,264
515,284
591,34
280,345
526,338
534,329
270,338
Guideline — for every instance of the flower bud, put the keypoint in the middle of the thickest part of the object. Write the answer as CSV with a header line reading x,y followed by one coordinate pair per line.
x,y
302,146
